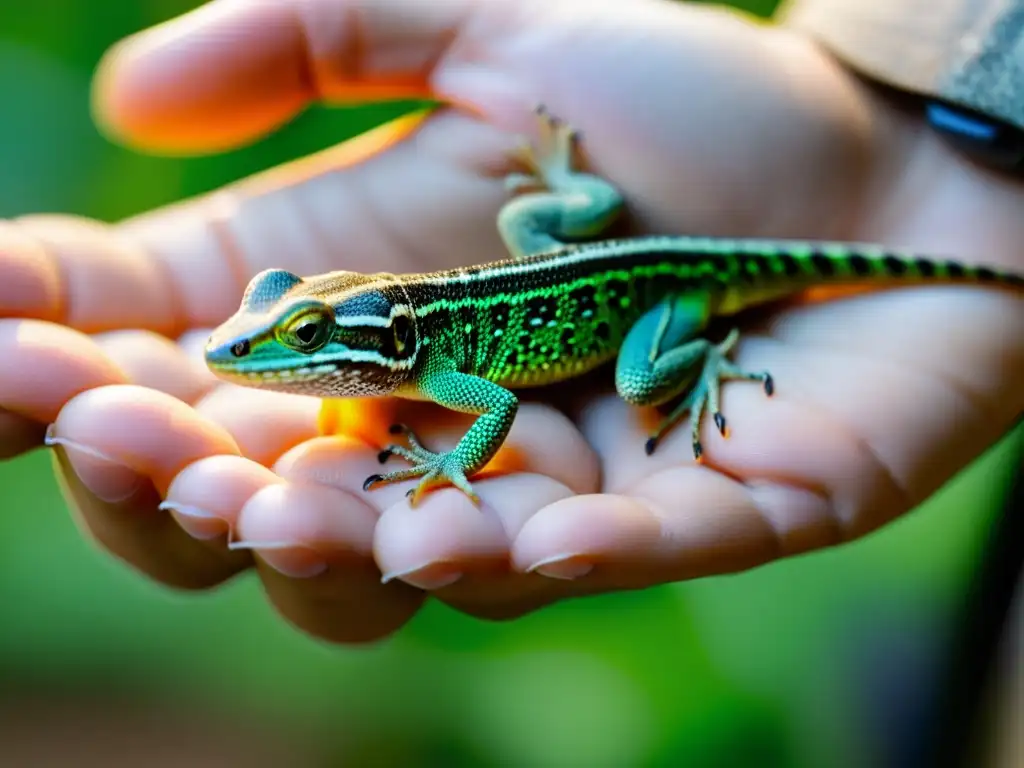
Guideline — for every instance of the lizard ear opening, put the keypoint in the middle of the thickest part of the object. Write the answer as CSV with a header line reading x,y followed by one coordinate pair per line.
x,y
402,338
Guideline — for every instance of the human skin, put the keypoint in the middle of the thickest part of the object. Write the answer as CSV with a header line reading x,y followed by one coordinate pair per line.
x,y
708,123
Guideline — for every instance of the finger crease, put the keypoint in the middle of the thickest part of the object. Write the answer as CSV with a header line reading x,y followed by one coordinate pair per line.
x,y
866,448
49,253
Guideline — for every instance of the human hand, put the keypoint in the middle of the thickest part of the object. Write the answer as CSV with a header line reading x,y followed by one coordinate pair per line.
x,y
706,123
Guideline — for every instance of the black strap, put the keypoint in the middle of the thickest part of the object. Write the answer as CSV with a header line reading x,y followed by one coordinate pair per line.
x,y
985,139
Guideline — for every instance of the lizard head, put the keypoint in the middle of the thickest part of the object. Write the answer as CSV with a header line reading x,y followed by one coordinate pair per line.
x,y
343,334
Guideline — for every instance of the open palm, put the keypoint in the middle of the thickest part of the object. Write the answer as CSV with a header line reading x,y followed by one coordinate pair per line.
x,y
706,123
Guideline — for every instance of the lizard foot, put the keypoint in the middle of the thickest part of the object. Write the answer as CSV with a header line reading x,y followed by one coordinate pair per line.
x,y
704,395
436,469
550,161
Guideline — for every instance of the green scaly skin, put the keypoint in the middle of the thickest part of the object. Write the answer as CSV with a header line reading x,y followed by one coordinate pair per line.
x,y
465,338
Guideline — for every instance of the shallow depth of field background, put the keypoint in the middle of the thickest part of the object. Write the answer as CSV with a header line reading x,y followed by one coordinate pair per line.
x,y
825,660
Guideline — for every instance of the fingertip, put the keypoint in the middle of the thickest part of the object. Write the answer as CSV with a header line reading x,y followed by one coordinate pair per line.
x,y
264,424
446,537
227,72
443,536
317,518
215,488
135,529
587,529
152,360
657,534
313,547
106,98
207,81
48,365
150,432
546,441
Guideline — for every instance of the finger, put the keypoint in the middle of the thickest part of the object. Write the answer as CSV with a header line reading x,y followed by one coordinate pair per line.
x,y
231,71
81,273
446,544
314,549
49,364
657,535
808,448
44,367
461,552
154,361
118,449
264,424
206,498
610,542
542,441
32,282
172,270
926,401
313,545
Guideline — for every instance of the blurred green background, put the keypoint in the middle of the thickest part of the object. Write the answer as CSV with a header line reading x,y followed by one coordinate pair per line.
x,y
826,660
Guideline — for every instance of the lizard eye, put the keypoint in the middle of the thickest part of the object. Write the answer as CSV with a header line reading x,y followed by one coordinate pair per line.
x,y
402,337
307,332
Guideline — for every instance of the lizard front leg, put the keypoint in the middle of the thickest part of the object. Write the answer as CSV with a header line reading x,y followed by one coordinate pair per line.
x,y
496,408
663,357
565,204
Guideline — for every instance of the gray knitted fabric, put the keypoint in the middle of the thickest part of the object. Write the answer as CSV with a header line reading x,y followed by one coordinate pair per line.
x,y
991,78
967,51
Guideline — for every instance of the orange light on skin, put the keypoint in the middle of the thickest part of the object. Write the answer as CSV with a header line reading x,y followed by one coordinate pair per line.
x,y
365,419
834,292
507,461
649,418
344,155
368,419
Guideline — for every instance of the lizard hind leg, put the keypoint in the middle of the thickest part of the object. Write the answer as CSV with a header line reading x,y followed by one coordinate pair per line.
x,y
664,357
550,158
555,203
704,396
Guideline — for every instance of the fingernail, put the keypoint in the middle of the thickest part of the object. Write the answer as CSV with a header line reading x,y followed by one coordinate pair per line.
x,y
565,567
296,561
427,577
103,476
196,522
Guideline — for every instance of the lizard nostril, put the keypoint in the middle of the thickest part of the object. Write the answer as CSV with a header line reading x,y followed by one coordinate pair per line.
x,y
241,349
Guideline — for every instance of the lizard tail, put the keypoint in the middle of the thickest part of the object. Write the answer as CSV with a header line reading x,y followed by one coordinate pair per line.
x,y
868,264
766,271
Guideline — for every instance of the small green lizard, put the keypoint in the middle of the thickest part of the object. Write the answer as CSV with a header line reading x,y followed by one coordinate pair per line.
x,y
565,303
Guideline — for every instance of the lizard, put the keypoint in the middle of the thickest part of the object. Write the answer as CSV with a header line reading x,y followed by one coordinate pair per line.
x,y
563,302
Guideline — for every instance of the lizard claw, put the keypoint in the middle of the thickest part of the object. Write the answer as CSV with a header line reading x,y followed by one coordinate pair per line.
x,y
550,159
704,396
434,469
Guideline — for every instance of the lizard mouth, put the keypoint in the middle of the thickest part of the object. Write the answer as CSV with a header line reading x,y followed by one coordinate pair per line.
x,y
321,380
278,374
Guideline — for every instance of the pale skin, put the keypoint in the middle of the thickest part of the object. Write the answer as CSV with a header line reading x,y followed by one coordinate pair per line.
x,y
707,124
